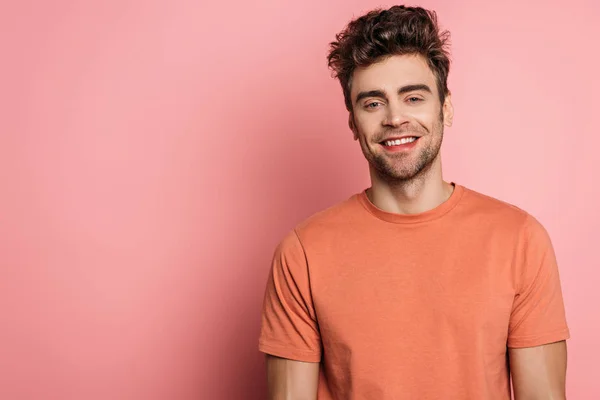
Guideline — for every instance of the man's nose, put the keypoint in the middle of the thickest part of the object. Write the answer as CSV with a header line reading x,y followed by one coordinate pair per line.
x,y
395,115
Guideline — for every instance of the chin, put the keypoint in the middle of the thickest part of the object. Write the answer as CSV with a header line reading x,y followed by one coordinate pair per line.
x,y
389,174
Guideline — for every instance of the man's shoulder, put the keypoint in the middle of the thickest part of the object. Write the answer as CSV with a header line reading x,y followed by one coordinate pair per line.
x,y
487,208
332,217
322,225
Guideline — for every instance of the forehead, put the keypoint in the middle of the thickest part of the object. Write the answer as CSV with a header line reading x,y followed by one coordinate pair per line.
x,y
392,73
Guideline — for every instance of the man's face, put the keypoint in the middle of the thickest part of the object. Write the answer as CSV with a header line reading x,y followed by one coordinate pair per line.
x,y
397,116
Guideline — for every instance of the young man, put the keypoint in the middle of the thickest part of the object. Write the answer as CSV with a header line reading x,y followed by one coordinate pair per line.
x,y
415,288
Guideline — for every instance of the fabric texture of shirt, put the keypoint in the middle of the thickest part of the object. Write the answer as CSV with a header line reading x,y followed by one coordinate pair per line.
x,y
419,306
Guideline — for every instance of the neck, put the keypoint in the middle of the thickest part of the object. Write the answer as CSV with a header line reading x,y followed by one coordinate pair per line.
x,y
422,193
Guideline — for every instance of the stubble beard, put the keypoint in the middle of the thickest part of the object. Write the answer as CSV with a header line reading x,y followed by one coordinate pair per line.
x,y
397,168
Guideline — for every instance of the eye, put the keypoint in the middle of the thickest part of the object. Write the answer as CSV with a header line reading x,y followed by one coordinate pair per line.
x,y
414,99
372,105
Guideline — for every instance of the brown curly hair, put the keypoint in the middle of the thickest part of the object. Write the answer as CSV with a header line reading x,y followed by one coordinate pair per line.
x,y
382,33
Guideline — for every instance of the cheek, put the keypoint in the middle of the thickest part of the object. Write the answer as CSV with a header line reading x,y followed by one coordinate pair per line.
x,y
423,113
364,130
368,125
426,117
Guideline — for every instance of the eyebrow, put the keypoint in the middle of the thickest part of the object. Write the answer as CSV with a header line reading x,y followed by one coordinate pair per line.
x,y
402,90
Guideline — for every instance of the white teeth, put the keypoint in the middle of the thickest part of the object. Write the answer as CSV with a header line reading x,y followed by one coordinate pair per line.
x,y
398,142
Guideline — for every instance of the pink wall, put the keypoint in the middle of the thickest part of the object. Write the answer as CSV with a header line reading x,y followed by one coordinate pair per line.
x,y
153,153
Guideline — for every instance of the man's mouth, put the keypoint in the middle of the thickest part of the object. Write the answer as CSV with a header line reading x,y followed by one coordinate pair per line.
x,y
399,142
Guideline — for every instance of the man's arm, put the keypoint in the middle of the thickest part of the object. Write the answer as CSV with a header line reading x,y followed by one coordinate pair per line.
x,y
539,372
291,380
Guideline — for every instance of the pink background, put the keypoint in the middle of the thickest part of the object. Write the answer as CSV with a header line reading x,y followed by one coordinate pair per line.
x,y
152,154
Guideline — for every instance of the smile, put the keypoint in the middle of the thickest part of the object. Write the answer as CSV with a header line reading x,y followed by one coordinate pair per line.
x,y
398,142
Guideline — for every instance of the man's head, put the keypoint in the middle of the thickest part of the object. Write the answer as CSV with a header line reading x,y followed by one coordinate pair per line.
x,y
393,67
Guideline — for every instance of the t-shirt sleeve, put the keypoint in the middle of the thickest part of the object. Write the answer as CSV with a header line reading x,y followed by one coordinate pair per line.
x,y
289,327
538,314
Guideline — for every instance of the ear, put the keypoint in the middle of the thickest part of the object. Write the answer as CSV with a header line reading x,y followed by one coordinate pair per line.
x,y
448,110
352,126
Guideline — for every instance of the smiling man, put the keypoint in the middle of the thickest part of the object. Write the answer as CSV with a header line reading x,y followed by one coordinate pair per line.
x,y
415,288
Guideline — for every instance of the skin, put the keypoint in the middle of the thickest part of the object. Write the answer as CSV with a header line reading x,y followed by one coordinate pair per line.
x,y
539,372
408,182
291,380
398,96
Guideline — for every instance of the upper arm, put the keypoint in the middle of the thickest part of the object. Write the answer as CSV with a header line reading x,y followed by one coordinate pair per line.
x,y
539,372
289,327
289,330
538,327
538,313
289,379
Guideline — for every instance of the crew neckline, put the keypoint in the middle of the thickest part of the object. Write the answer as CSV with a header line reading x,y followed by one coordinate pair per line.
x,y
425,216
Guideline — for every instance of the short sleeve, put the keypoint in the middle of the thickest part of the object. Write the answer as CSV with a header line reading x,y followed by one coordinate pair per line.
x,y
288,323
538,314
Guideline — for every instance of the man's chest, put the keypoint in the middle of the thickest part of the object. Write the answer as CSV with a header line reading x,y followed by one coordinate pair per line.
x,y
441,297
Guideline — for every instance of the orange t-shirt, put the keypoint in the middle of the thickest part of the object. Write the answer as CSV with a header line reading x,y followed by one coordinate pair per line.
x,y
419,306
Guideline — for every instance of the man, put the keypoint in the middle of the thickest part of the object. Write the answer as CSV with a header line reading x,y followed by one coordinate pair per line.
x,y
415,288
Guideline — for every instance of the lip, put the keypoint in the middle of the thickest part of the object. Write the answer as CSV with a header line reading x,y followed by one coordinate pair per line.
x,y
401,147
398,138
